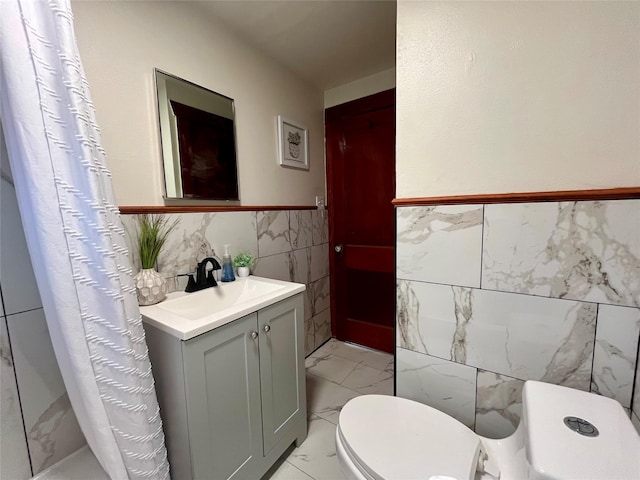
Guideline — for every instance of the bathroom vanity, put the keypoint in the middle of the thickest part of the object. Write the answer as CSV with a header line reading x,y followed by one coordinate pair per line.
x,y
229,369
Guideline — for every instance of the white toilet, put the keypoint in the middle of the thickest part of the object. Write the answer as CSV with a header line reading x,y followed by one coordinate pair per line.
x,y
564,434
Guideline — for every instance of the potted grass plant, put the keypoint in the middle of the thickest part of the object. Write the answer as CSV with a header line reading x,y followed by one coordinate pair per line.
x,y
243,262
152,233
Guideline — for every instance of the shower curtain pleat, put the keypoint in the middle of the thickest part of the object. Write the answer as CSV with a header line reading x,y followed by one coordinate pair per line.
x,y
75,238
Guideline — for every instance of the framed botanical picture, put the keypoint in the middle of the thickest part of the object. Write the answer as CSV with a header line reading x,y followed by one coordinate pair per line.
x,y
293,144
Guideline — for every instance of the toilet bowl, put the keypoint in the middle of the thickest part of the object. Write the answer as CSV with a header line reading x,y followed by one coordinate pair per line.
x,y
564,434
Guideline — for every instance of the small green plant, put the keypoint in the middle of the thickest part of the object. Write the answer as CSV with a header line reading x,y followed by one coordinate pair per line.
x,y
153,230
294,137
243,260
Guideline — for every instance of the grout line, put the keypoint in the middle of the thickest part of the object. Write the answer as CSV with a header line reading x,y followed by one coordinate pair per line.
x,y
299,469
19,395
511,293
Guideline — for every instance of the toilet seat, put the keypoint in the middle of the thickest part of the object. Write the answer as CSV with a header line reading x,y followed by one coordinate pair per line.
x,y
392,438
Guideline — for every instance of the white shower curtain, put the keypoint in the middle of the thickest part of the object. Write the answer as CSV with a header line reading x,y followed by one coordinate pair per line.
x,y
75,238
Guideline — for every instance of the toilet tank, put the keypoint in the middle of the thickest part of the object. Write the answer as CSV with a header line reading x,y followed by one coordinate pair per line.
x,y
571,434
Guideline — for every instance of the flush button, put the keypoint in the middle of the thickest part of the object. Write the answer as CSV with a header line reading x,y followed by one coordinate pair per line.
x,y
581,426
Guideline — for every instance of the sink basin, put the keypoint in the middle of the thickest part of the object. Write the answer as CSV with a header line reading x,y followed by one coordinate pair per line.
x,y
186,315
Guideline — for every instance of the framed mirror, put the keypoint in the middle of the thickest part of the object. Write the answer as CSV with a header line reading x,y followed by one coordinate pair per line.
x,y
197,133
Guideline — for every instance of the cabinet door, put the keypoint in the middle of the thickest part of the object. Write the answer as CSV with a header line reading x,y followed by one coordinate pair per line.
x,y
282,369
222,381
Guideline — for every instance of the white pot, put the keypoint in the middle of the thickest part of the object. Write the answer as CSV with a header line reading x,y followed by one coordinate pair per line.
x,y
294,150
243,271
151,287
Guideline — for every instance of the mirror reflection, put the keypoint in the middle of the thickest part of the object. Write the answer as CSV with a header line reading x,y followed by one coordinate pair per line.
x,y
197,132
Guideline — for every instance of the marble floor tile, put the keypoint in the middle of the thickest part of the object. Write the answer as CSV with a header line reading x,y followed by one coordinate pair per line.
x,y
367,380
371,358
315,459
330,367
317,454
286,471
325,399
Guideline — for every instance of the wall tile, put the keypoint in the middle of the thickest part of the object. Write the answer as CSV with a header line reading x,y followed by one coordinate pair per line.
x,y
18,280
268,236
301,228
322,327
574,250
197,236
52,429
447,386
14,458
635,406
440,244
498,404
615,352
274,235
274,266
308,304
320,294
55,435
309,336
300,265
636,422
320,220
81,465
521,336
319,262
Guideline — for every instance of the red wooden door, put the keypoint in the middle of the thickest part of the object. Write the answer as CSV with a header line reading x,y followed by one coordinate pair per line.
x,y
360,146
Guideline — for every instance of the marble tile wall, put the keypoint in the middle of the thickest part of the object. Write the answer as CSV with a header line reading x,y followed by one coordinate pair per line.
x,y
489,296
38,427
290,245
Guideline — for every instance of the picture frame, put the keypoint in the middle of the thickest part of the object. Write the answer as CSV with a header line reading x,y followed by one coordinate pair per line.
x,y
293,144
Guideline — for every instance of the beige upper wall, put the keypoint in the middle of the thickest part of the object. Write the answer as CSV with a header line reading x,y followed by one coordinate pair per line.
x,y
497,97
120,44
378,82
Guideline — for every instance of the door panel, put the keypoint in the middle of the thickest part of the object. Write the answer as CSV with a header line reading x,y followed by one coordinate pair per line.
x,y
227,401
361,186
281,369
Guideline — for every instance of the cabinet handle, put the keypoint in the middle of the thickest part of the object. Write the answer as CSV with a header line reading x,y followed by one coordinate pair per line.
x,y
267,328
254,334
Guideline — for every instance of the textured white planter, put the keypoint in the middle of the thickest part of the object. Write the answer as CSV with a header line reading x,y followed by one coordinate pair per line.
x,y
243,271
151,287
294,150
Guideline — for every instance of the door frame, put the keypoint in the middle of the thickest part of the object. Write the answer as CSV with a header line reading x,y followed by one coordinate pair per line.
x,y
369,103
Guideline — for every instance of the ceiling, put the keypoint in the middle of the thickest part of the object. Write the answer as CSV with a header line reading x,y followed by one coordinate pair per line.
x,y
328,43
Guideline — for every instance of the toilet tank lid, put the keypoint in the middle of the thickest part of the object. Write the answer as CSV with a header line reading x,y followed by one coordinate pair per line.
x,y
394,438
554,449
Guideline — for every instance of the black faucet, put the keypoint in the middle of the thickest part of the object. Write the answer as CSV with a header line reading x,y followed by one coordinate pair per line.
x,y
203,280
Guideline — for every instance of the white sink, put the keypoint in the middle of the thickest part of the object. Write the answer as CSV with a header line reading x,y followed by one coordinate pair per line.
x,y
186,315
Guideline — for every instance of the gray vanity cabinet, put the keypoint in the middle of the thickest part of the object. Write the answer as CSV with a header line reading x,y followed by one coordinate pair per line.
x,y
237,399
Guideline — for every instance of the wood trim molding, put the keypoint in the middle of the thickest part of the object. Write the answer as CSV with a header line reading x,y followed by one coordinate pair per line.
x,y
132,210
625,193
